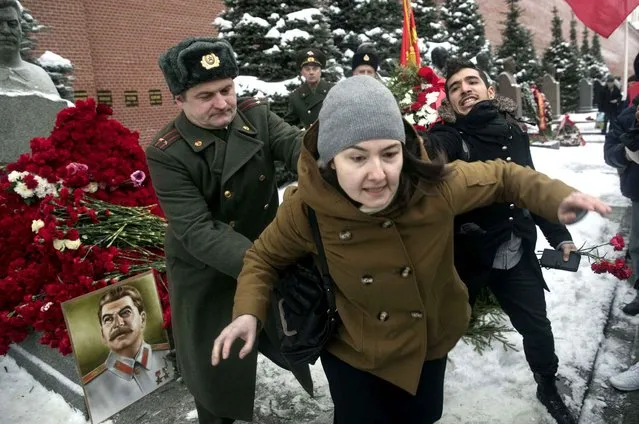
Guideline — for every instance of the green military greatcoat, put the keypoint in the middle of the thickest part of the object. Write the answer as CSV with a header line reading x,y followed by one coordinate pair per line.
x,y
304,103
218,196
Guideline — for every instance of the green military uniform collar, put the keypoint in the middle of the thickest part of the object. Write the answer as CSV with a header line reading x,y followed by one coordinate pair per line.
x,y
200,138
305,91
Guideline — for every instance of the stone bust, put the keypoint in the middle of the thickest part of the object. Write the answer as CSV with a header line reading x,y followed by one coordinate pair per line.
x,y
15,74
439,57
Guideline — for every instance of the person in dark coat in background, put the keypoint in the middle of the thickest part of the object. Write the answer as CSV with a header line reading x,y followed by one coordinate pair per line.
x,y
621,151
495,245
305,102
609,102
212,169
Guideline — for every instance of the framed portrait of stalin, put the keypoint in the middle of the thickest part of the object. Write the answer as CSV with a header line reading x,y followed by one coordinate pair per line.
x,y
119,344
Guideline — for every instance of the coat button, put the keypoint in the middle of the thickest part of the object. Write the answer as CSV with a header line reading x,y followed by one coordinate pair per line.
x,y
383,316
262,177
504,147
508,159
345,235
406,272
387,224
228,194
367,279
309,112
417,314
266,206
510,137
511,219
198,143
232,224
511,206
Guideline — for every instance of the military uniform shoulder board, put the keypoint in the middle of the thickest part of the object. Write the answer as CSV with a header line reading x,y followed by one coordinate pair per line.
x,y
160,346
170,137
250,103
93,374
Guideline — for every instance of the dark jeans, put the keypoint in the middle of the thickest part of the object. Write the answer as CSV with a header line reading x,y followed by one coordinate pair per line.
x,y
362,398
206,417
520,293
608,117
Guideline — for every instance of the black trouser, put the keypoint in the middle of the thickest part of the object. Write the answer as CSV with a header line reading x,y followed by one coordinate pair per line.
x,y
520,293
206,417
362,398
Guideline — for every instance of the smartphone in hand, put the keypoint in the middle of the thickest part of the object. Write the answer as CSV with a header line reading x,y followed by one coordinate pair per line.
x,y
551,258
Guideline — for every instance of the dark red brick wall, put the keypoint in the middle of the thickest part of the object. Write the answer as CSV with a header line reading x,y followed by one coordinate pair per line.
x,y
537,16
114,45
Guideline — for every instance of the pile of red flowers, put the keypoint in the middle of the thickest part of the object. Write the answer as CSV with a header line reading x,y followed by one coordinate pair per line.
x,y
617,267
76,214
419,92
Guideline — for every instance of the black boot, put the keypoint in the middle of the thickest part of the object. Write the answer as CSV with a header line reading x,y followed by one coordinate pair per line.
x,y
632,308
550,398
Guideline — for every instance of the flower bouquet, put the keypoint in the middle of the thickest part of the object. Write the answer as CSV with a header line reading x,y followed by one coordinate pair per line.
x,y
79,213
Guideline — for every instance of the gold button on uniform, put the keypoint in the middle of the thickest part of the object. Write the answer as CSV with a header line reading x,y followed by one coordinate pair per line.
x,y
228,194
511,206
198,143
383,316
245,128
510,218
504,147
387,224
406,272
262,177
417,315
232,224
345,235
508,159
367,279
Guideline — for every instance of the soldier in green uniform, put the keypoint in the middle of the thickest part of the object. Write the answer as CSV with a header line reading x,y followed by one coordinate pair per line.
x,y
365,61
212,169
305,102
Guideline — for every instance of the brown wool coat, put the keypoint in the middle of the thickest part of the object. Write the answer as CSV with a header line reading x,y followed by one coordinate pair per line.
x,y
399,297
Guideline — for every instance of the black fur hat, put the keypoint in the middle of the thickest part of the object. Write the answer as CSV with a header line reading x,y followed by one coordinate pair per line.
x,y
197,60
310,56
365,55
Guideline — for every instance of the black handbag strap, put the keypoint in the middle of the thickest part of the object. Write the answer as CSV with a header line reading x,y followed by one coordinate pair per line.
x,y
327,281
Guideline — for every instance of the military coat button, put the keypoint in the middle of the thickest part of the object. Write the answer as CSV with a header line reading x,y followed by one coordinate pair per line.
x,y
387,224
417,314
383,316
228,194
504,147
511,219
367,279
262,177
511,206
508,159
266,206
232,224
406,272
198,143
345,235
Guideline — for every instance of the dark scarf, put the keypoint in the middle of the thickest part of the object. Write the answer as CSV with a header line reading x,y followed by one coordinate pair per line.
x,y
484,122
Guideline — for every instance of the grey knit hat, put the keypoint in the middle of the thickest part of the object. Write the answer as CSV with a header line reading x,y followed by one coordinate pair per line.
x,y
356,109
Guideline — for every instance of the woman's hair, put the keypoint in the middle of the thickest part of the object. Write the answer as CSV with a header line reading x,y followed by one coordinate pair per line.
x,y
413,170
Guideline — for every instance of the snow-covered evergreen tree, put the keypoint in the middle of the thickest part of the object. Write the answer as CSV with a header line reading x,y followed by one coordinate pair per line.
x,y
60,70
573,33
465,26
561,57
379,22
598,69
591,67
265,35
517,42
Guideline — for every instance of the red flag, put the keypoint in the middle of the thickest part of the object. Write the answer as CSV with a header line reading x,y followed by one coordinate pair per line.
x,y
410,50
603,16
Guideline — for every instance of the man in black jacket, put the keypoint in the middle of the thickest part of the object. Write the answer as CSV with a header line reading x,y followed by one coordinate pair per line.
x,y
621,151
609,102
495,245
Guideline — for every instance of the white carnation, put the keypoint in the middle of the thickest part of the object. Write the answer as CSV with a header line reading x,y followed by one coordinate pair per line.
x,y
22,189
36,224
15,176
58,244
72,244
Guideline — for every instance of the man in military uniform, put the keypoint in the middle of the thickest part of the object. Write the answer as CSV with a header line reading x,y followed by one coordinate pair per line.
x,y
212,169
306,101
365,61
133,368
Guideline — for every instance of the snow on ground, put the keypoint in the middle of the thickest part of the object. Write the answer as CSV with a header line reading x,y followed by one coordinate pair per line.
x,y
496,387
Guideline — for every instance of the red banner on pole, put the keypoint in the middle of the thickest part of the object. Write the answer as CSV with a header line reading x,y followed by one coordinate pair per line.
x,y
603,16
410,49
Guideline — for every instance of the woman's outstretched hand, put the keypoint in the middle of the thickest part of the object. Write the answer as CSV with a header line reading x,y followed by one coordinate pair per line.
x,y
243,327
577,204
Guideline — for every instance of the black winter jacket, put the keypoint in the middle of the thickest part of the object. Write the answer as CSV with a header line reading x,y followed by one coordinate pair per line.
x,y
623,132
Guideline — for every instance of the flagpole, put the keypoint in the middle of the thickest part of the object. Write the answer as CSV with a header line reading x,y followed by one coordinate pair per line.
x,y
625,64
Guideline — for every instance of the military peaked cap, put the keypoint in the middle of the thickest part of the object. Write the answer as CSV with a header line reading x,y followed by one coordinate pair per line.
x,y
311,57
197,60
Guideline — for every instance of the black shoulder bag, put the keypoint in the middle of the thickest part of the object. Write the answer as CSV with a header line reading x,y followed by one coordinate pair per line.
x,y
304,305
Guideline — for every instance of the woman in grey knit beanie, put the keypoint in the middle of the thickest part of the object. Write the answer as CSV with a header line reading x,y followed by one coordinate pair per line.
x,y
385,214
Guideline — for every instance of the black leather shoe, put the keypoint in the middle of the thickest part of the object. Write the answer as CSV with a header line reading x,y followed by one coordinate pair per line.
x,y
632,308
550,398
